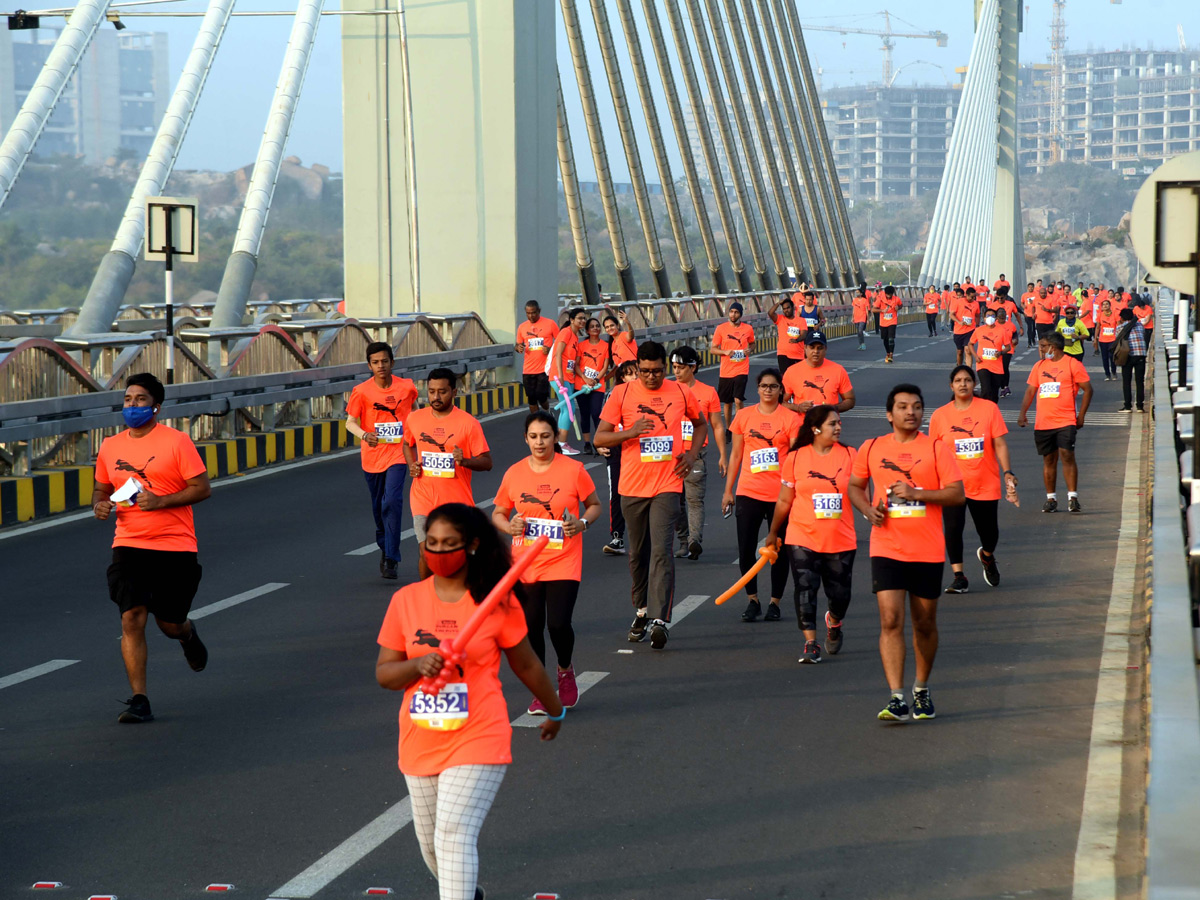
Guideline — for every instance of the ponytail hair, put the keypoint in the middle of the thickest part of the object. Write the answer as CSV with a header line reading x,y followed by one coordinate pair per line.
x,y
814,419
492,557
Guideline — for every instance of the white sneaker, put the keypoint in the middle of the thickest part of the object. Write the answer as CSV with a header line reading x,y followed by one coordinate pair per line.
x,y
568,450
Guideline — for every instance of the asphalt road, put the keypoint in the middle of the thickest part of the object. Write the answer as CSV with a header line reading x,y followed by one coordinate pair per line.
x,y
716,769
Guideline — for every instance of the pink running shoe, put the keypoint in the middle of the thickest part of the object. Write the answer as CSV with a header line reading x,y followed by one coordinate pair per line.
x,y
568,691
536,708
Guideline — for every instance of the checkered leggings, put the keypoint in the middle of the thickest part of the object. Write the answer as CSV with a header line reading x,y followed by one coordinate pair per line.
x,y
448,813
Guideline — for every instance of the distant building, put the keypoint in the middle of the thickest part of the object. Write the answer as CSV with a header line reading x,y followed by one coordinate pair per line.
x,y
114,101
1124,110
890,143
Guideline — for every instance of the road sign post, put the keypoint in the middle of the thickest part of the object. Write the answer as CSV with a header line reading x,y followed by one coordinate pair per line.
x,y
171,234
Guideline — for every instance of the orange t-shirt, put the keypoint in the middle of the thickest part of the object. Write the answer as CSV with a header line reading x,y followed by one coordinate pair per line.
x,y
1056,384
931,302
912,531
947,299
1046,309
889,309
970,434
1145,314
861,306
1000,283
739,338
709,403
989,345
826,383
968,312
383,411
442,480
415,624
541,498
766,438
538,338
1010,335
162,461
821,518
789,340
624,348
592,358
648,461
570,341
1107,327
1028,306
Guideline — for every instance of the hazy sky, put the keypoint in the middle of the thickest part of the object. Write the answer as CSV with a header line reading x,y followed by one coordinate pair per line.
x,y
226,130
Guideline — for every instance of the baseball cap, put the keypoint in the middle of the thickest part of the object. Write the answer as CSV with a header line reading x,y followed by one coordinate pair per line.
x,y
815,337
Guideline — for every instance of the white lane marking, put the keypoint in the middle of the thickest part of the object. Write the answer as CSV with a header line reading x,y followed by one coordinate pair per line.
x,y
584,680
347,853
34,671
236,599
1096,850
685,606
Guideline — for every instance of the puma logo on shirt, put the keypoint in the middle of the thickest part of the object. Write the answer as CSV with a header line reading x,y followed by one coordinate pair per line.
x,y
123,466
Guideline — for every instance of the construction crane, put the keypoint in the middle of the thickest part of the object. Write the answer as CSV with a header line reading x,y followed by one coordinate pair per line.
x,y
888,36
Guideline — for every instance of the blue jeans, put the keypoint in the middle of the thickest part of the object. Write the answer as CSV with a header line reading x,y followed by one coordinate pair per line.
x,y
387,504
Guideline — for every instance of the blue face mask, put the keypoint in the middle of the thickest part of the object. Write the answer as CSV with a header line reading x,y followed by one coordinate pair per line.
x,y
137,416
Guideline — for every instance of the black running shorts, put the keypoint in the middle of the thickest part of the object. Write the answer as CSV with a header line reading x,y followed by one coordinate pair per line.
x,y
921,579
730,389
961,340
163,581
1050,440
537,388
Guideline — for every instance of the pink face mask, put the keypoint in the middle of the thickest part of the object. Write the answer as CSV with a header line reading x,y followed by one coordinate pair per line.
x,y
446,562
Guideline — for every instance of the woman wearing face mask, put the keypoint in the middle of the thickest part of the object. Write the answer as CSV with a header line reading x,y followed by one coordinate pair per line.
x,y
1005,323
547,492
1108,322
1074,332
985,351
454,753
819,541
595,359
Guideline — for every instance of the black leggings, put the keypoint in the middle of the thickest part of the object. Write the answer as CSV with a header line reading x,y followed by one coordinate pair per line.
x,y
590,407
750,514
989,384
983,514
888,333
616,517
931,323
809,570
1007,357
548,606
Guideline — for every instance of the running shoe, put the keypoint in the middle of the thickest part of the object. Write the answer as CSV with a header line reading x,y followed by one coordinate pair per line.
x,y
1073,505
833,636
862,346
536,708
772,614
568,450
811,654
895,711
991,574
959,585
1051,505
922,707
588,448
568,690
889,358
194,651
479,894
694,550
658,634
753,611
382,564
138,710
1127,409
637,631
682,552
390,570
615,547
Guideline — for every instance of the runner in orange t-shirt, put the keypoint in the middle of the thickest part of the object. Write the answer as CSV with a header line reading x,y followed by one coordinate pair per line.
x,y
375,414
455,747
817,380
535,338
860,306
685,361
554,496
443,445
986,352
974,431
762,436
932,302
620,336
650,413
964,313
819,541
888,305
1104,337
1055,380
1029,311
594,362
732,341
151,476
790,329
913,477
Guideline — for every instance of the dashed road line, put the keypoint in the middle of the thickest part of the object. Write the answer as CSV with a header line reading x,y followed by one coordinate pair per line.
x,y
585,681
34,671
259,591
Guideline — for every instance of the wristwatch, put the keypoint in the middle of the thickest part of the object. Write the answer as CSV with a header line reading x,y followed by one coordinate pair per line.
x,y
585,522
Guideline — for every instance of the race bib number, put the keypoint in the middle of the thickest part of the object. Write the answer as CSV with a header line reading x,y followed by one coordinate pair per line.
x,y
688,431
967,320
1068,332
793,331
657,449
905,509
437,465
968,448
570,365
589,372
827,506
1049,390
535,528
889,317
737,355
1108,332
811,320
389,432
447,711
764,460
535,343
989,353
